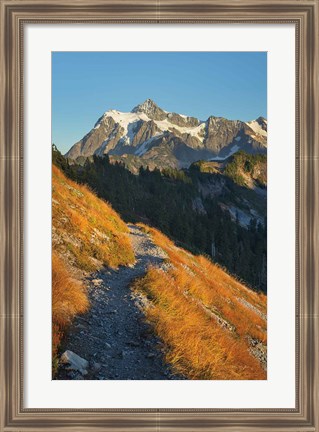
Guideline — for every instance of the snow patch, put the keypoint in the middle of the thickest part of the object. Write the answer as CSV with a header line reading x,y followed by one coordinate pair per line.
x,y
101,149
255,126
126,121
144,146
233,150
166,125
130,132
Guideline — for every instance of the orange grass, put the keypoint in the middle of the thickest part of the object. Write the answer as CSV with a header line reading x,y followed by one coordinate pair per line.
x,y
68,299
85,228
184,299
88,233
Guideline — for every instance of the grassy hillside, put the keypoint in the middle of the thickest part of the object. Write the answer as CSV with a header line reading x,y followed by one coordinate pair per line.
x,y
85,229
244,169
248,170
208,167
86,235
213,327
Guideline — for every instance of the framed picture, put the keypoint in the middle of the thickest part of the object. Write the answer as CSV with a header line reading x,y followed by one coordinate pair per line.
x,y
159,176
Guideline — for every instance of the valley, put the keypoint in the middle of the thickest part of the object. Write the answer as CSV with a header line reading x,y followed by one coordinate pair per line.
x,y
160,249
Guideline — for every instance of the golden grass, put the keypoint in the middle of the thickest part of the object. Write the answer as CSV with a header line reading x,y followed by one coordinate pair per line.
x,y
85,228
89,234
187,301
68,299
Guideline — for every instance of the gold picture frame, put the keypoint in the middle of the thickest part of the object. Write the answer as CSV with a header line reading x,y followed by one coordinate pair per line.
x,y
305,16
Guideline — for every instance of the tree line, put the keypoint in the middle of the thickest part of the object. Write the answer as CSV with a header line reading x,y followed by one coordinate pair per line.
x,y
165,200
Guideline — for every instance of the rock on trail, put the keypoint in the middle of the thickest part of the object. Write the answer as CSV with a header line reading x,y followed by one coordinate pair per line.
x,y
113,336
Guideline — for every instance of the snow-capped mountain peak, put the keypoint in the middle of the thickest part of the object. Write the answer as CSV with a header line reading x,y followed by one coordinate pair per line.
x,y
168,138
147,105
150,108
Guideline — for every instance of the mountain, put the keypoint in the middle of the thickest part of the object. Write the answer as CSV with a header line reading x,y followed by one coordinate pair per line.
x,y
128,303
157,138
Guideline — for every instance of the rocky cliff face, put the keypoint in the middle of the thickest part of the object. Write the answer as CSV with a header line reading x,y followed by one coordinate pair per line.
x,y
169,139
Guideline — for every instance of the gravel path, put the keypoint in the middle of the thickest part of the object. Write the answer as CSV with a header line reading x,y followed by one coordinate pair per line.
x,y
113,336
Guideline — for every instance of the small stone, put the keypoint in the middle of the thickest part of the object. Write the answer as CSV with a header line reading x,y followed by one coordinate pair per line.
x,y
150,355
123,354
79,377
96,366
133,343
71,374
97,282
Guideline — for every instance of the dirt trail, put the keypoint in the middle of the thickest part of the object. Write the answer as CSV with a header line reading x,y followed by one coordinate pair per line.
x,y
113,335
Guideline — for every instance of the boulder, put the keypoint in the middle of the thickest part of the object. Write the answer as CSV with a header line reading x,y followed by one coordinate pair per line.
x,y
74,362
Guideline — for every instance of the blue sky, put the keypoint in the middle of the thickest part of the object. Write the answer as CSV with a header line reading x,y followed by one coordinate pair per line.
x,y
200,84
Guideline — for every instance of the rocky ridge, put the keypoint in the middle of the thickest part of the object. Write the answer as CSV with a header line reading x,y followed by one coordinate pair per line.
x,y
168,139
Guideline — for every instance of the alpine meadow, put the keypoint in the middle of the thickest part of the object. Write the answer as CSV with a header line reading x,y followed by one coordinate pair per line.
x,y
159,216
